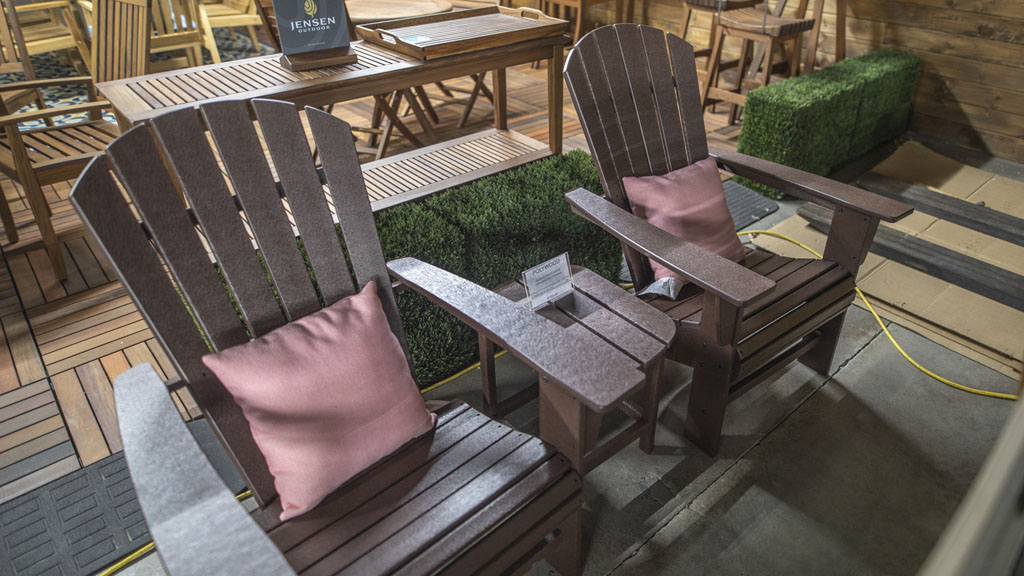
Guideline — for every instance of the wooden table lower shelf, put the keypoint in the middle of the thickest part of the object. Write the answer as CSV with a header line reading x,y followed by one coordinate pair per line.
x,y
429,170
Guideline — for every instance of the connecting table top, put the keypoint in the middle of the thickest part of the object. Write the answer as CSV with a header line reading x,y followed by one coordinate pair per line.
x,y
378,71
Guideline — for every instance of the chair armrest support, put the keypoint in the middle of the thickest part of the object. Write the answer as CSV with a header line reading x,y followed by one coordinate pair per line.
x,y
45,83
51,112
807,186
723,277
586,366
197,524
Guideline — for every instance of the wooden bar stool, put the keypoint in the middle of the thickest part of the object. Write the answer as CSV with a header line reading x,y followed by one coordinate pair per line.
x,y
753,26
712,6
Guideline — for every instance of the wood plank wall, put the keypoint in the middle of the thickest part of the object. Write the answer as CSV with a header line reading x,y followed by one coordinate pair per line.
x,y
971,91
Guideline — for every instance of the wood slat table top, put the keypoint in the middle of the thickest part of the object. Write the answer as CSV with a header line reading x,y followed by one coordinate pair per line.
x,y
378,70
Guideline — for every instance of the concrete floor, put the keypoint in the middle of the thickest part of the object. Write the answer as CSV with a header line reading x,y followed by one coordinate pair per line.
x,y
857,473
853,474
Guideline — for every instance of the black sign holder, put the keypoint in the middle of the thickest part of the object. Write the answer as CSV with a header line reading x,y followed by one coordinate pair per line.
x,y
314,33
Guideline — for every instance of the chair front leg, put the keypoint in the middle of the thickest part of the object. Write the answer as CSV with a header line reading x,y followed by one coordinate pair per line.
x,y
713,372
849,239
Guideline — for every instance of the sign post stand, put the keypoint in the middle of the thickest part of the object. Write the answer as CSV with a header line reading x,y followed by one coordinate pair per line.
x,y
314,33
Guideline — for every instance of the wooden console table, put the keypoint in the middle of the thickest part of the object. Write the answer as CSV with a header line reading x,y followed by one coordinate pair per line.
x,y
378,71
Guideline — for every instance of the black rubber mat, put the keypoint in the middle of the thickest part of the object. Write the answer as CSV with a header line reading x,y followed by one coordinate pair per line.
x,y
86,520
745,205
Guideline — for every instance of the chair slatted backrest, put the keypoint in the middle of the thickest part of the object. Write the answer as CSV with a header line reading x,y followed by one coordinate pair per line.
x,y
195,212
636,92
13,53
120,39
175,17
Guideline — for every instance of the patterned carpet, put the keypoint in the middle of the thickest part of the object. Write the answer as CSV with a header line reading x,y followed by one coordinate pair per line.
x,y
52,65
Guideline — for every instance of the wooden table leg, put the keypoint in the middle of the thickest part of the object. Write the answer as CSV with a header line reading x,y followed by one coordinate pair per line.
x,y
563,423
651,397
555,100
500,99
487,376
122,123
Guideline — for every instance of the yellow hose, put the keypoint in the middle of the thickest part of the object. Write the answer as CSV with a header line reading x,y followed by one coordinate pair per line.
x,y
878,319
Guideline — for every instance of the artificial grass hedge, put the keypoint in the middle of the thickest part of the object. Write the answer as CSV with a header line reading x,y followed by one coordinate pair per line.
x,y
821,121
488,231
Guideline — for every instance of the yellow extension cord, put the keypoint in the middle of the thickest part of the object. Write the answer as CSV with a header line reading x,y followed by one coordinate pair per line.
x,y
878,319
148,547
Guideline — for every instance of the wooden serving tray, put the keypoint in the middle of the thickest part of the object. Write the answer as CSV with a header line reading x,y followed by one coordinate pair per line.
x,y
451,33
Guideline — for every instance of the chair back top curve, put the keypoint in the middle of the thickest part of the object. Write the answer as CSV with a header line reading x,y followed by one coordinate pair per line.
x,y
121,35
636,93
244,221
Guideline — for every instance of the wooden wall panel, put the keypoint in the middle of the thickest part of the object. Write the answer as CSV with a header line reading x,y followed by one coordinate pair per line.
x,y
971,91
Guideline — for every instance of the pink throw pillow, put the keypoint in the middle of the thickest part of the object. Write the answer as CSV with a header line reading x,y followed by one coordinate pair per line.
x,y
326,396
688,203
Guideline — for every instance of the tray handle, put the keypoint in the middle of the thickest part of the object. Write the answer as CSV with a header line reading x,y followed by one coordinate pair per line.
x,y
386,36
531,13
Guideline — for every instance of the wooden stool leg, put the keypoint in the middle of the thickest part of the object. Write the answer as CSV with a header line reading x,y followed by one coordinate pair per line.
x,y
714,60
686,19
578,30
767,66
794,58
734,109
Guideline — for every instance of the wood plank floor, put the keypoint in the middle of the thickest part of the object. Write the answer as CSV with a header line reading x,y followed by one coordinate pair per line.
x,y
62,343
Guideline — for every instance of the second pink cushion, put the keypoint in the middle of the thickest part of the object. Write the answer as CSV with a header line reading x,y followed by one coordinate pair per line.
x,y
326,396
688,203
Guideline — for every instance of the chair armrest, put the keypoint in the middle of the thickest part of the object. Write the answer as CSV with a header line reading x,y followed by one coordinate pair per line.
x,y
44,83
51,112
807,186
589,368
197,524
723,277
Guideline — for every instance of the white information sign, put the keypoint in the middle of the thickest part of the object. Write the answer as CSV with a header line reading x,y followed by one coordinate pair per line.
x,y
548,282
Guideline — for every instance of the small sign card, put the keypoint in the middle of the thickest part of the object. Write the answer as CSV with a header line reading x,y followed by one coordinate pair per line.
x,y
548,282
307,26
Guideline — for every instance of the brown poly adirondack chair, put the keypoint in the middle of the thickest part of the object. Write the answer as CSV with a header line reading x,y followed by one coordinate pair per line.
x,y
472,496
40,156
636,92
